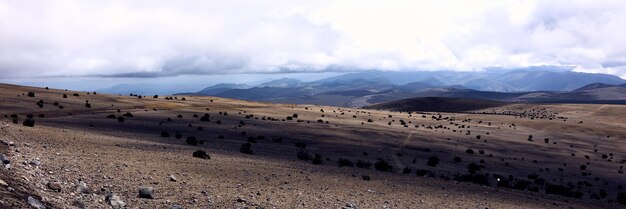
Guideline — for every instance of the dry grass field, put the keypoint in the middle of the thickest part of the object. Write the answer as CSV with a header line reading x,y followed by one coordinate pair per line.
x,y
87,147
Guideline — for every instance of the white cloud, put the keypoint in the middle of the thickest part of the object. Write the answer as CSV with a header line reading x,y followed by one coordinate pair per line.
x,y
166,38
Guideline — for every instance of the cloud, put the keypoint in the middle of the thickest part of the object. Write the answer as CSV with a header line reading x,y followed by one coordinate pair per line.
x,y
160,38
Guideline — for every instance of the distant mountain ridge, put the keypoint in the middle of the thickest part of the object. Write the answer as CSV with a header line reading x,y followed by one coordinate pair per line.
x,y
538,84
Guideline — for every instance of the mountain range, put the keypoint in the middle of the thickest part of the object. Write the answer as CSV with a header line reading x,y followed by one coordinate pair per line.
x,y
360,89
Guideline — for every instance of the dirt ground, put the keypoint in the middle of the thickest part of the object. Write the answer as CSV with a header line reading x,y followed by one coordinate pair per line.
x,y
79,145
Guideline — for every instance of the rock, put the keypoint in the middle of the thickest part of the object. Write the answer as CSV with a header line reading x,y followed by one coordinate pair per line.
x,y
172,178
82,188
177,207
8,143
241,200
4,159
3,183
115,201
349,206
36,163
146,192
79,204
54,185
35,203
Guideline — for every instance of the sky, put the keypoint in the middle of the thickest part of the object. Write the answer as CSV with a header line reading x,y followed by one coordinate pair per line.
x,y
120,40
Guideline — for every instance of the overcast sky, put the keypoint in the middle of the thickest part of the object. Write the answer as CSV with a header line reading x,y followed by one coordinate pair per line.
x,y
154,38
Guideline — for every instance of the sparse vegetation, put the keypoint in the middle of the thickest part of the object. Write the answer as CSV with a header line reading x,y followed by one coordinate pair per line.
x,y
246,148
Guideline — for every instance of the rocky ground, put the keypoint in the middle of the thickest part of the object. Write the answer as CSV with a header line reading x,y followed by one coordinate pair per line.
x,y
87,160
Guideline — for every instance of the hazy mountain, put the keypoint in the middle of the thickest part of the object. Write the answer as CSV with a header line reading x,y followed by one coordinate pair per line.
x,y
282,83
148,89
221,87
536,84
530,80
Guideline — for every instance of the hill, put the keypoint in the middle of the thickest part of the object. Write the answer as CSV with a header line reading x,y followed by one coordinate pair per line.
x,y
70,149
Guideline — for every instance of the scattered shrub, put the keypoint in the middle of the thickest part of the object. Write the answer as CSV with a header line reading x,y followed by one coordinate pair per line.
x,y
165,134
433,161
303,155
406,170
30,122
344,162
111,116
366,178
246,148
621,198
201,154
300,145
31,94
317,159
192,141
120,119
382,165
421,172
457,159
363,164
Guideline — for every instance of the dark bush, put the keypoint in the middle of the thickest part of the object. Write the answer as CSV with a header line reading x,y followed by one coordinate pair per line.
x,y
469,151
382,165
192,141
482,179
344,162
406,170
472,168
457,159
201,154
300,145
562,190
421,172
363,164
621,198
205,117
64,95
128,114
165,134
246,148
278,139
433,161
120,119
111,116
31,94
303,155
317,159
155,96
366,178
178,135
76,94
29,122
